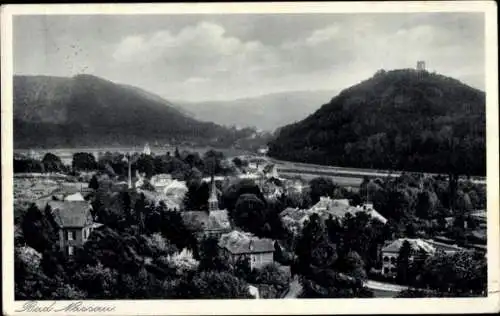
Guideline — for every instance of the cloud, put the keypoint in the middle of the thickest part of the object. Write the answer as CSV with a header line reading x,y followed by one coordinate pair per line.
x,y
230,56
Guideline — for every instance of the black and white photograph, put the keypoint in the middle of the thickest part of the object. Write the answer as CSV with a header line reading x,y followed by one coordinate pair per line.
x,y
253,156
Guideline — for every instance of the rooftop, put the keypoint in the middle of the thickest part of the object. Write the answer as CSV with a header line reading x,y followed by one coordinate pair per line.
x,y
69,213
237,242
416,245
339,208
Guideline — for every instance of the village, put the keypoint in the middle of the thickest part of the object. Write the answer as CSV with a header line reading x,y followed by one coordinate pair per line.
x,y
258,219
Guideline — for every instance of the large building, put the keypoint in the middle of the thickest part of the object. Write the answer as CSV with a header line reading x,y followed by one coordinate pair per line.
x,y
326,207
238,245
390,252
74,221
211,223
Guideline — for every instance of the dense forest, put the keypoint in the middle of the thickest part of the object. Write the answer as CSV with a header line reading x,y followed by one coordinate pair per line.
x,y
396,120
89,111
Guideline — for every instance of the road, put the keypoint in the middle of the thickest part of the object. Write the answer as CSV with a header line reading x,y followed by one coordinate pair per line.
x,y
390,289
352,175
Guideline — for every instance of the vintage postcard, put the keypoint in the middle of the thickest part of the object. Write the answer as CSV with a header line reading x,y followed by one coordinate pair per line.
x,y
250,158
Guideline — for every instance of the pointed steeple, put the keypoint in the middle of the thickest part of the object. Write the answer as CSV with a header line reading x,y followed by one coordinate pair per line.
x,y
213,201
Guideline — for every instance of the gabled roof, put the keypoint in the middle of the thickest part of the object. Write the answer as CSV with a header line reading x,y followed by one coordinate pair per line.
x,y
444,247
237,242
416,245
69,213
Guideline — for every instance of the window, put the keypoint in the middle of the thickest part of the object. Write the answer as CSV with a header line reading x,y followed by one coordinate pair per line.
x,y
393,260
71,235
70,250
386,259
393,270
386,270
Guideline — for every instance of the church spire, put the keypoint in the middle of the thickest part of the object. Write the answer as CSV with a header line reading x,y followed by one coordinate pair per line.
x,y
213,202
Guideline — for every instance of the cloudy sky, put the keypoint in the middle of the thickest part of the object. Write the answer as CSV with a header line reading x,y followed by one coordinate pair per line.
x,y
209,57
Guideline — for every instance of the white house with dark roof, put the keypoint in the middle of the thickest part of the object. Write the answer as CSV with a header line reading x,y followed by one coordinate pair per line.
x,y
74,221
327,207
238,245
390,252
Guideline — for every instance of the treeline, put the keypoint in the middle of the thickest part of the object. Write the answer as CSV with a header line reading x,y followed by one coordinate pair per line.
x,y
399,120
419,206
181,165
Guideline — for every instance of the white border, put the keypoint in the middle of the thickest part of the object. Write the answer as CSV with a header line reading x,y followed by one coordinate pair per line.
x,y
309,306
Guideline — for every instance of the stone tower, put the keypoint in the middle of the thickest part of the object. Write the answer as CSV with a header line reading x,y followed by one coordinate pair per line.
x,y
421,65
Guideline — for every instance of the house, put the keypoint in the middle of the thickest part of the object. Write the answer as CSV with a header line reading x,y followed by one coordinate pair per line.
x,y
207,224
327,207
160,181
157,197
74,222
238,245
390,253
211,223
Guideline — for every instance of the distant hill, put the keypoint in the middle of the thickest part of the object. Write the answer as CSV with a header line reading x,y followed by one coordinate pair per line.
x,y
400,119
266,112
90,111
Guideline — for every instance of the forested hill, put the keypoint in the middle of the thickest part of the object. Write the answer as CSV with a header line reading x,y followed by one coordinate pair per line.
x,y
90,111
401,119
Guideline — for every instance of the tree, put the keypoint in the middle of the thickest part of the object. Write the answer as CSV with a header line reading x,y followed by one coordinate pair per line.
x,y
326,283
98,281
242,268
233,191
94,183
145,164
210,257
237,162
459,274
321,187
84,161
403,263
212,285
38,230
313,247
250,213
352,265
271,278
52,163
197,196
212,161
427,202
